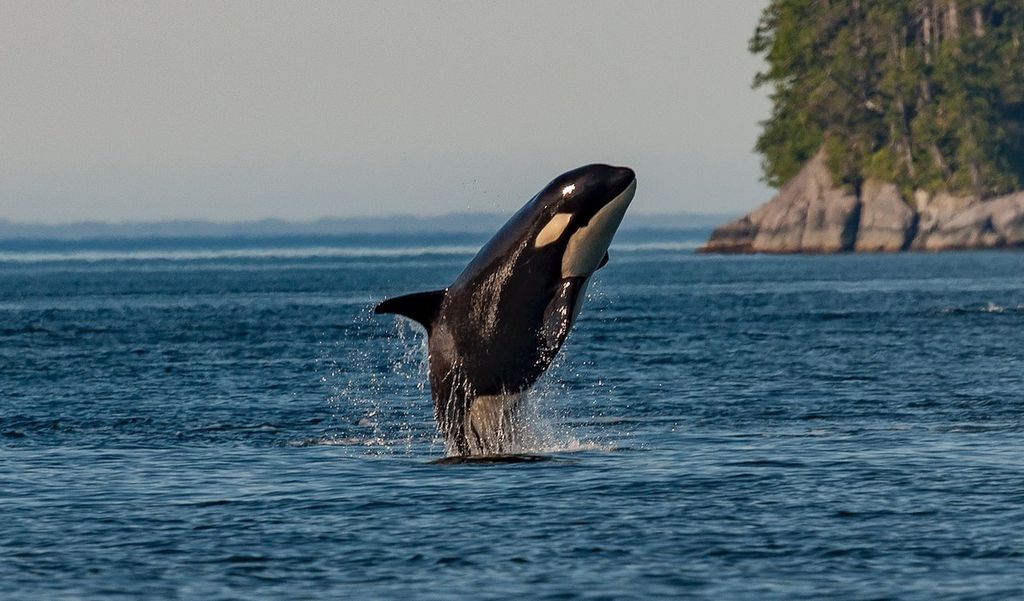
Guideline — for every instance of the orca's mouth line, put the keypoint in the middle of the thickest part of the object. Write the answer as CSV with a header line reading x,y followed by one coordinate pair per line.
x,y
587,246
628,189
624,196
630,184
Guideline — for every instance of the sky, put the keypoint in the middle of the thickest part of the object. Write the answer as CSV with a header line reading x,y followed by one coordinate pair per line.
x,y
142,111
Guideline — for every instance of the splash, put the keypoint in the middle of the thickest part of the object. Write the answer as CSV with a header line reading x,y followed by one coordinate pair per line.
x,y
553,427
376,390
376,377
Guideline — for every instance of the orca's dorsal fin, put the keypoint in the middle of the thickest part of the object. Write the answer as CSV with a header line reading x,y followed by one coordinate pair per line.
x,y
421,307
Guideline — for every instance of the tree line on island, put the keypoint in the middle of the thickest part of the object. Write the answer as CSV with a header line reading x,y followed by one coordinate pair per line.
x,y
904,115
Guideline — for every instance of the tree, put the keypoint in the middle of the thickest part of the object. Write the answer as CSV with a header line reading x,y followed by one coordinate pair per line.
x,y
928,94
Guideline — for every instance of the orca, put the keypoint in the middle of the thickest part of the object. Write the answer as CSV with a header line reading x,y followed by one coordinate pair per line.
x,y
498,326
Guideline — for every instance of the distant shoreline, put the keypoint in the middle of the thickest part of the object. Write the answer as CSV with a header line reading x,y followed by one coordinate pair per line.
x,y
257,240
193,230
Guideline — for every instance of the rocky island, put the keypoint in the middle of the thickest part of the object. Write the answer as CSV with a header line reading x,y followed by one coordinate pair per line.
x,y
896,127
811,214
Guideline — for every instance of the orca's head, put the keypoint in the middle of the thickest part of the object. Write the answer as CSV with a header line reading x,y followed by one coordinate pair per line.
x,y
578,213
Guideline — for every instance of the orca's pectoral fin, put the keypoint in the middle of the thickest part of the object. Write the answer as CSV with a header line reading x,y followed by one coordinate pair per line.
x,y
560,313
604,261
421,307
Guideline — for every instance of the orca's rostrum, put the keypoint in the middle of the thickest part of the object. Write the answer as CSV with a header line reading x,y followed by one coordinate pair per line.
x,y
494,331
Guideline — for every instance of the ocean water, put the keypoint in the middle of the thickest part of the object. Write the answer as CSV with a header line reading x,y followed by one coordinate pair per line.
x,y
189,420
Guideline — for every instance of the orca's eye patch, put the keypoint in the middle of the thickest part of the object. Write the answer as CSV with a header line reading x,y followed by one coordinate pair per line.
x,y
553,230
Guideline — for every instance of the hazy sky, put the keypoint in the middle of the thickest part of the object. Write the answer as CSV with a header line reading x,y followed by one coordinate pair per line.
x,y
243,110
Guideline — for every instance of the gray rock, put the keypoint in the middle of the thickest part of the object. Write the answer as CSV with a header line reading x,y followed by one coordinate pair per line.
x,y
831,224
736,236
950,223
780,223
947,222
887,223
809,214
1008,218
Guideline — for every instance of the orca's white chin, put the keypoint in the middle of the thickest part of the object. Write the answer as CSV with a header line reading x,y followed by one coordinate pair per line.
x,y
588,244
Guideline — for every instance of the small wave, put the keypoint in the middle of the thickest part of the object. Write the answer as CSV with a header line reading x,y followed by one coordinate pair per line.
x,y
213,503
28,329
968,428
244,558
992,308
349,441
769,463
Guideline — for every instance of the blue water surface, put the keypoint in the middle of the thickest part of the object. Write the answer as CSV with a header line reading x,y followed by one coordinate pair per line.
x,y
204,421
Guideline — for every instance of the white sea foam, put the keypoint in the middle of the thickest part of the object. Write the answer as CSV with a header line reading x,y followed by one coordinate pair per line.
x,y
368,442
987,308
386,426
667,246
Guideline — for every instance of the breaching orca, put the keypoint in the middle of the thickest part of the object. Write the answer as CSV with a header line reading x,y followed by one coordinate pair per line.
x,y
495,330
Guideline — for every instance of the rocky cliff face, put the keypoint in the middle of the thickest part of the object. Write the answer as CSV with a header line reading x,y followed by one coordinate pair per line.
x,y
948,223
811,215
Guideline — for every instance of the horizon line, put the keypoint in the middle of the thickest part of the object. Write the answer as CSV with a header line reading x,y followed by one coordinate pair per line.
x,y
327,219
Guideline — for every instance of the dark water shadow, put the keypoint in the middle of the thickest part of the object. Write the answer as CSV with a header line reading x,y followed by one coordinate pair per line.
x,y
490,459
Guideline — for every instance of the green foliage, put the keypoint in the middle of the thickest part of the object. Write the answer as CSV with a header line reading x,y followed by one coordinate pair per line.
x,y
928,94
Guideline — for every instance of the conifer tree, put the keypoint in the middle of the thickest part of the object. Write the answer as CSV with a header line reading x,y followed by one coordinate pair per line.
x,y
928,94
